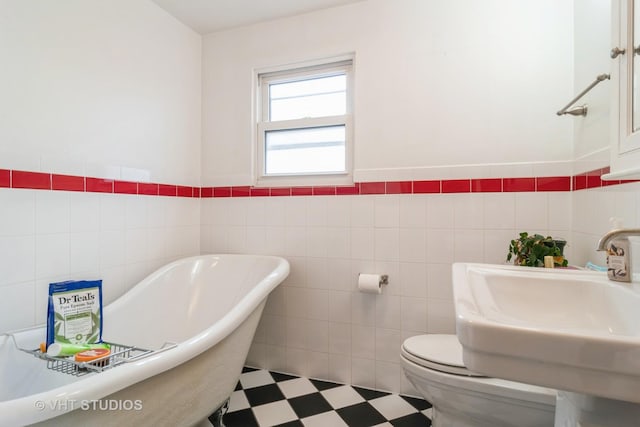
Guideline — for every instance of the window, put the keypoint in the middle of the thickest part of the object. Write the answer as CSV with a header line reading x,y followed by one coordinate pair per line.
x,y
304,125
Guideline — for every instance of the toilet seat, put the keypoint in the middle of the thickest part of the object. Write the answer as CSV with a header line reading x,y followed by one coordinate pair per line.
x,y
438,352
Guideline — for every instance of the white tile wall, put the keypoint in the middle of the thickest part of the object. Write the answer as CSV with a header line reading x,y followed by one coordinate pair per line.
x,y
593,210
48,236
317,323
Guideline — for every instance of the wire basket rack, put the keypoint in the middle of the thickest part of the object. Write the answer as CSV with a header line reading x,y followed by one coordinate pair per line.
x,y
120,354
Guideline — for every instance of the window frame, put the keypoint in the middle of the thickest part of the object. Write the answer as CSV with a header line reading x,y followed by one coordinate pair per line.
x,y
322,68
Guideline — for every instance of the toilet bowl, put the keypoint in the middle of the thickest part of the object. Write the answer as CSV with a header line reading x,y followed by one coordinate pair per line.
x,y
461,398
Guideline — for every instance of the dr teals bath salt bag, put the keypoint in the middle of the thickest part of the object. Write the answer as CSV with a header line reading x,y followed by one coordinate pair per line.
x,y
75,312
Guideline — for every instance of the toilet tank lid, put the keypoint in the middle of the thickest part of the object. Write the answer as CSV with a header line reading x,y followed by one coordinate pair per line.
x,y
438,348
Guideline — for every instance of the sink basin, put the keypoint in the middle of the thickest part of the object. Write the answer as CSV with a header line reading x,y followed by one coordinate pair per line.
x,y
572,330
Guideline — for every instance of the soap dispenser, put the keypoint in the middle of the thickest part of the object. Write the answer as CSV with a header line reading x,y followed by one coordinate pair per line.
x,y
618,256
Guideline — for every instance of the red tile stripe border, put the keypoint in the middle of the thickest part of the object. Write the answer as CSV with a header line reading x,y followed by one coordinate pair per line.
x,y
58,182
5,178
67,183
47,181
33,180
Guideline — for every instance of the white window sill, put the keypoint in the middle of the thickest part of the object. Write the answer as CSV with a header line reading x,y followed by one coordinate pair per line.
x,y
304,180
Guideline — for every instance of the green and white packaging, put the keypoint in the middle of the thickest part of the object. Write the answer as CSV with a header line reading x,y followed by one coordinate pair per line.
x,y
75,312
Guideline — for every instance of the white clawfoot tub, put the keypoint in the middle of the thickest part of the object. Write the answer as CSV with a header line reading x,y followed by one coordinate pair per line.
x,y
209,305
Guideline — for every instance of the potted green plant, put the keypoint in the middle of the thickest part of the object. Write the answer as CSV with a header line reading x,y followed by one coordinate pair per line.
x,y
530,250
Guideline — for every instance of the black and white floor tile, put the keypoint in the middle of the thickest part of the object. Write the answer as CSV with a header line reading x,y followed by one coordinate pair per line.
x,y
264,398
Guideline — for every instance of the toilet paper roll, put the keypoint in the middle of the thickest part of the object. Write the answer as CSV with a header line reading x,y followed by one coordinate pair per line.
x,y
370,283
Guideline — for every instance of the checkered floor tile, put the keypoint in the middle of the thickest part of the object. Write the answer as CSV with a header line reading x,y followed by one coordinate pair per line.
x,y
264,398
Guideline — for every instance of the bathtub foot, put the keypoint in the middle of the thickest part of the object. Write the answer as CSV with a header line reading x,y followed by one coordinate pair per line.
x,y
216,417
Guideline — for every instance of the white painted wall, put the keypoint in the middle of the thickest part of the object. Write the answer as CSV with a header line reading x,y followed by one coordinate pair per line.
x,y
592,22
108,89
437,84
100,88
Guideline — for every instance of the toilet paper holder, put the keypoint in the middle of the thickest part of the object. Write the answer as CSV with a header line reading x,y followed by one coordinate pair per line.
x,y
372,283
384,279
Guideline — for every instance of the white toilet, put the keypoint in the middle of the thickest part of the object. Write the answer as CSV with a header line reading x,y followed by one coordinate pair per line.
x,y
461,398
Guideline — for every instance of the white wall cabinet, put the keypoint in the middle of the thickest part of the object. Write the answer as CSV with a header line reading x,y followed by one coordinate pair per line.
x,y
625,107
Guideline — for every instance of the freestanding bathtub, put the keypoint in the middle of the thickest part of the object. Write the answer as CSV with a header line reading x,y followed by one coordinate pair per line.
x,y
208,305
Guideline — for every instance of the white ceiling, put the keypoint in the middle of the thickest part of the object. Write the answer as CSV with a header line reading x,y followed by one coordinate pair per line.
x,y
207,16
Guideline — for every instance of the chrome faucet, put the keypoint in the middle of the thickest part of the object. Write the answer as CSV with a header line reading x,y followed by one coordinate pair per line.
x,y
619,232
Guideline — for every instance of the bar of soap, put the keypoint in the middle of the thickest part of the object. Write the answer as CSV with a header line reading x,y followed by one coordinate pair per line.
x,y
89,355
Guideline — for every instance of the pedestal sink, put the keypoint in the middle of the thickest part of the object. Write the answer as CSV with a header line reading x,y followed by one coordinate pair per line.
x,y
571,330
